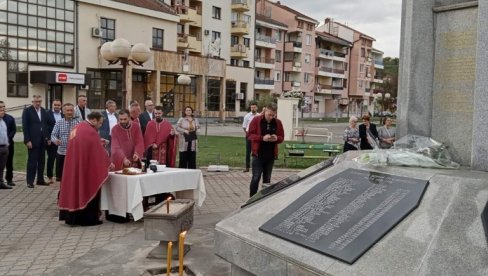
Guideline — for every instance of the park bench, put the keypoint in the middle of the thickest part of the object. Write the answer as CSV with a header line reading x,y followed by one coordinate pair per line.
x,y
301,151
304,132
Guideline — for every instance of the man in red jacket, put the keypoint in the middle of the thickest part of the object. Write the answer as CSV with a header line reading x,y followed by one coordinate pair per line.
x,y
265,133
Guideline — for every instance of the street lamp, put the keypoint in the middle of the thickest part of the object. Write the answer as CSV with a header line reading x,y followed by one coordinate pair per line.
x,y
120,50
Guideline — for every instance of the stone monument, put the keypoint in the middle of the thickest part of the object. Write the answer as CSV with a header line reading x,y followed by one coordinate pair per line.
x,y
444,235
443,76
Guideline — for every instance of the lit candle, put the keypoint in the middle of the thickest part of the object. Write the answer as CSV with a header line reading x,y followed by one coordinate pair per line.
x,y
181,252
167,205
168,258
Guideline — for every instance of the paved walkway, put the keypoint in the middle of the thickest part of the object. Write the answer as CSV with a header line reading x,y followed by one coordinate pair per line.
x,y
34,242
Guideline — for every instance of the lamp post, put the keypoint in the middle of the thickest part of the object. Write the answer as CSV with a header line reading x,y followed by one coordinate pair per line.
x,y
120,50
183,80
387,97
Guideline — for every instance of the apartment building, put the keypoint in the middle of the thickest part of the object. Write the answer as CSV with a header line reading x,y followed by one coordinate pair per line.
x,y
361,66
299,49
53,50
269,49
220,29
377,71
331,75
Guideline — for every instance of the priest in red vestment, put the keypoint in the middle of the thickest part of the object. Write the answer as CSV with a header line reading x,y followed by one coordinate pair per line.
x,y
85,170
160,140
127,143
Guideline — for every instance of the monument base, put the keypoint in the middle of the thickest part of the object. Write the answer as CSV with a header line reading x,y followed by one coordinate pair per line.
x,y
443,235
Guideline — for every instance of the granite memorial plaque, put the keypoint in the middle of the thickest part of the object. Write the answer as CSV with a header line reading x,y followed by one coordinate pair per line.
x,y
343,216
289,181
454,80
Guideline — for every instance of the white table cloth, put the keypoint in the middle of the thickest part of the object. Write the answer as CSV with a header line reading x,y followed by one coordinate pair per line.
x,y
123,194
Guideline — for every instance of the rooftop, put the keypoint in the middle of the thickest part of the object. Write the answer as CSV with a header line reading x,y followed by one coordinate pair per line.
x,y
333,39
154,5
297,13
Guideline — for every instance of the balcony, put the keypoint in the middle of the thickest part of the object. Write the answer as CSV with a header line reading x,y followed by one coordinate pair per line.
x,y
333,55
240,6
265,41
239,51
335,89
182,11
378,79
239,27
330,72
262,62
293,46
293,66
378,64
195,43
291,85
182,40
265,84
195,16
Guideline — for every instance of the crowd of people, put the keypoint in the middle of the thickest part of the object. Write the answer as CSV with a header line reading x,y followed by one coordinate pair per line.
x,y
366,136
72,135
83,146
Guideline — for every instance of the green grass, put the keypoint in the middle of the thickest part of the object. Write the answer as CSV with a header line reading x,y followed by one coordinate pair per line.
x,y
213,150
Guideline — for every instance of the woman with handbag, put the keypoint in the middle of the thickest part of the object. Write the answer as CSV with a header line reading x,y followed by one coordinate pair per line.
x,y
187,127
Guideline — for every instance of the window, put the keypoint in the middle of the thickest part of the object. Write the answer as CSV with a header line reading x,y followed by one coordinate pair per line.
x,y
344,83
309,39
230,96
278,56
180,28
306,77
107,27
278,35
242,104
157,38
310,27
360,84
345,66
308,57
245,63
213,95
277,75
363,52
216,11
234,62
247,42
300,24
215,35
361,68
234,40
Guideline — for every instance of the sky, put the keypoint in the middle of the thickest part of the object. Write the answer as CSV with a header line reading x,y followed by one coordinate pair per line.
x,y
377,18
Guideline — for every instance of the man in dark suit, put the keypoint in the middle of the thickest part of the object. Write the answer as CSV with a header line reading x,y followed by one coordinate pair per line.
x,y
147,115
367,133
11,131
34,125
53,115
110,119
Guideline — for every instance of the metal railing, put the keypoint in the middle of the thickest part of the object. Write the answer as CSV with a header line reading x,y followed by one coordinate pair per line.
x,y
338,71
239,24
263,81
264,60
325,69
243,2
267,39
240,48
15,108
296,44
